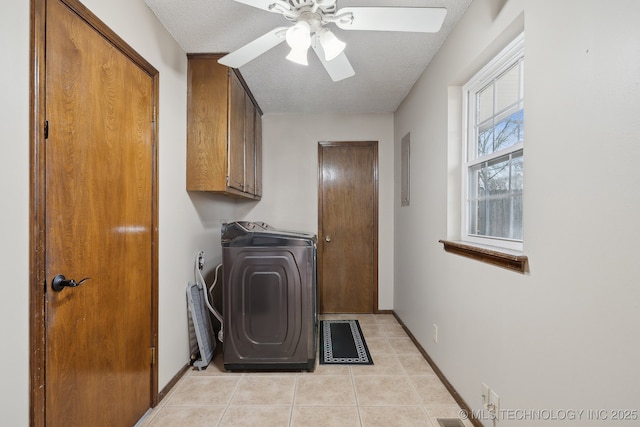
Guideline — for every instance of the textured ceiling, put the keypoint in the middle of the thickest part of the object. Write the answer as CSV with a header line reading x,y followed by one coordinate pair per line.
x,y
386,64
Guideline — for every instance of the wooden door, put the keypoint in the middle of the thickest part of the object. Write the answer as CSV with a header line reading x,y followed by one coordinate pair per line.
x,y
100,223
348,227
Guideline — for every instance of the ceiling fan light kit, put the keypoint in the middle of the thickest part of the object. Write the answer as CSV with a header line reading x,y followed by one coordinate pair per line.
x,y
299,56
299,39
299,36
311,16
331,45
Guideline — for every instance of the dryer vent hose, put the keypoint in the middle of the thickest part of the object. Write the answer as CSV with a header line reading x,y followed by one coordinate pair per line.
x,y
199,265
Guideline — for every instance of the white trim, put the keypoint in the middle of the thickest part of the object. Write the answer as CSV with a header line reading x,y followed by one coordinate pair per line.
x,y
498,64
511,54
510,149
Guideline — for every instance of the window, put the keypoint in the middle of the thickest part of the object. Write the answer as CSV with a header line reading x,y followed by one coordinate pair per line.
x,y
494,151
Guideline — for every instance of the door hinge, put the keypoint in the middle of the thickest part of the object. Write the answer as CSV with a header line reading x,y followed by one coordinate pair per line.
x,y
153,119
46,129
153,355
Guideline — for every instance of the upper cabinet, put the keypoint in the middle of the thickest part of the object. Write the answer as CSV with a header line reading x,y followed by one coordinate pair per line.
x,y
224,131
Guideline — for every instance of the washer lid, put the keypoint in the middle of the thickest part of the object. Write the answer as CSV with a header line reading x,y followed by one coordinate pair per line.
x,y
245,233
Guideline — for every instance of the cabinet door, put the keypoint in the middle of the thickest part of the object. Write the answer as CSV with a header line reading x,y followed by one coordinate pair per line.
x,y
258,156
235,172
207,129
249,147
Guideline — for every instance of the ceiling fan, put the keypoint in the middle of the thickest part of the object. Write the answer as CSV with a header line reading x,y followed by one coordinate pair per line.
x,y
310,17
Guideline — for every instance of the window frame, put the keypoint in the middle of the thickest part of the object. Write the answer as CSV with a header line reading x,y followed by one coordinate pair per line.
x,y
509,57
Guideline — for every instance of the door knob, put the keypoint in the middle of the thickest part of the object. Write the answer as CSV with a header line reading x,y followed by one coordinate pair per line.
x,y
327,238
60,282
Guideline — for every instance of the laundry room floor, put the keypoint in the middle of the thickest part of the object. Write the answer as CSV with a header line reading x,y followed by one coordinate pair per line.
x,y
399,389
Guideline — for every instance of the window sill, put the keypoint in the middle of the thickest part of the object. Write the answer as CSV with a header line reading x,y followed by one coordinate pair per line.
x,y
493,256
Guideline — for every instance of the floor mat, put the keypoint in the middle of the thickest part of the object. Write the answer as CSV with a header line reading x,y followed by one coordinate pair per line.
x,y
342,343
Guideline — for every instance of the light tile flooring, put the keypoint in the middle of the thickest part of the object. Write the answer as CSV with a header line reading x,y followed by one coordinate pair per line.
x,y
400,389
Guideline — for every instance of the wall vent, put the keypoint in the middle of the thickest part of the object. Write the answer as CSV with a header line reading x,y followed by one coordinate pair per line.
x,y
450,422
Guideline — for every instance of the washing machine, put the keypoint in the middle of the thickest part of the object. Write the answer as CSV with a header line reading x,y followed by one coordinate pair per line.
x,y
269,296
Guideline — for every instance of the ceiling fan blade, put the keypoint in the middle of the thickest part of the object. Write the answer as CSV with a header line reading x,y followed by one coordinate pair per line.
x,y
339,68
275,6
409,19
252,50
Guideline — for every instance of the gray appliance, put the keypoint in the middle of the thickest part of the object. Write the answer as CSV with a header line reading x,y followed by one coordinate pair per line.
x,y
269,298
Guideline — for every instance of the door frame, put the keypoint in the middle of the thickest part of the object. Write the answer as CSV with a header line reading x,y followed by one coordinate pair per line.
x,y
329,144
37,243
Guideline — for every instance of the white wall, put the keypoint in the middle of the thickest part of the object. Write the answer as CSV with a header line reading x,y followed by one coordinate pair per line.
x,y
290,176
187,223
565,334
14,216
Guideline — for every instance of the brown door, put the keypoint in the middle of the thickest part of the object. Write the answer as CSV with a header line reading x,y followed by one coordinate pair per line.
x,y
99,224
348,206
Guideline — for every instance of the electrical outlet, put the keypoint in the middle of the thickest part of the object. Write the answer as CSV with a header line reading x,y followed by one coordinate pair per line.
x,y
494,404
485,396
435,333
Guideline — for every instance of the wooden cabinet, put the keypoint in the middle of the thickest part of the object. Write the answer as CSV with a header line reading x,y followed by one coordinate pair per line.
x,y
224,131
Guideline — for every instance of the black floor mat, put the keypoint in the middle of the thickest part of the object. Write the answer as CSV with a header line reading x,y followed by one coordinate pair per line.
x,y
342,343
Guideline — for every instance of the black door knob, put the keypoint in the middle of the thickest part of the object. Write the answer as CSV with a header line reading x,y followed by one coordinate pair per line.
x,y
60,282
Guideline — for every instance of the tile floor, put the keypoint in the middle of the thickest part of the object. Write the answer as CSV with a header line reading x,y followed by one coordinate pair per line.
x,y
400,389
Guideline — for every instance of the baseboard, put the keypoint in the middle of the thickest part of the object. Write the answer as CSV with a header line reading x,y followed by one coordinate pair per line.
x,y
385,312
456,396
165,391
